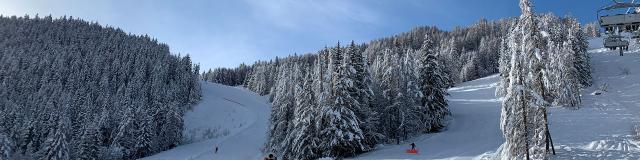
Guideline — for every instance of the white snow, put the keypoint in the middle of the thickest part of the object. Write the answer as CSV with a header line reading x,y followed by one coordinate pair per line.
x,y
603,126
240,112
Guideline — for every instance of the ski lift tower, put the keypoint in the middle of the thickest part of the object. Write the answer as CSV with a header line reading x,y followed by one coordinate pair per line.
x,y
615,24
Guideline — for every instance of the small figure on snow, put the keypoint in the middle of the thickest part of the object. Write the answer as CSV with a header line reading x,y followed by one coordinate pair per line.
x,y
413,149
270,157
216,150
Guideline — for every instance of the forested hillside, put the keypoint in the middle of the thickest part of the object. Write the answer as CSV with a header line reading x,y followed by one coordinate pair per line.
x,y
71,89
391,89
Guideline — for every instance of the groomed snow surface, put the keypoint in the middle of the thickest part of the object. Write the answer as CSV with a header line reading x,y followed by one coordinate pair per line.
x,y
602,128
234,119
474,131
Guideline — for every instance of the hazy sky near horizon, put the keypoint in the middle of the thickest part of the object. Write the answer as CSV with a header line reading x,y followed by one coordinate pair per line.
x,y
225,33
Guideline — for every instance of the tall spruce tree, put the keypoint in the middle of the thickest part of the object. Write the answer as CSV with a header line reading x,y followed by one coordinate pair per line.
x,y
577,41
56,147
433,88
503,69
89,143
282,111
522,121
361,90
6,146
340,133
567,78
304,136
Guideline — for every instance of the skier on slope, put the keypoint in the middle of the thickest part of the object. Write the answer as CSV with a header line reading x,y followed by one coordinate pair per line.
x,y
413,149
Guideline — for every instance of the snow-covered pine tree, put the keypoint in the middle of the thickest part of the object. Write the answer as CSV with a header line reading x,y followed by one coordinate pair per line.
x,y
552,67
144,143
433,88
340,133
577,42
400,110
56,147
503,70
567,78
413,111
282,111
6,146
522,121
336,58
453,58
89,143
304,136
592,29
124,136
469,69
320,82
361,90
296,81
172,130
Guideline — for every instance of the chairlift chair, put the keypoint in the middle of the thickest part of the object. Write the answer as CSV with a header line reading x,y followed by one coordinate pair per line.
x,y
614,25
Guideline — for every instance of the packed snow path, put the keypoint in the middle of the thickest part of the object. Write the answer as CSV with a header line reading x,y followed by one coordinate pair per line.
x,y
234,119
602,127
474,130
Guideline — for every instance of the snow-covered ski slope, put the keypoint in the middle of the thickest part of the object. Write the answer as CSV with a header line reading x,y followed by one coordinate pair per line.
x,y
473,132
234,119
601,128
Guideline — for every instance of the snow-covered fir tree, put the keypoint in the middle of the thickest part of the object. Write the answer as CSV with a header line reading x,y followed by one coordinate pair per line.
x,y
567,84
282,110
144,143
523,107
433,88
340,133
592,29
56,145
90,143
304,137
356,64
503,69
6,146
577,42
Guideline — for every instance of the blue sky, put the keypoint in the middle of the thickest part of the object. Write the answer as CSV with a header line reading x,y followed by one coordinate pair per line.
x,y
219,33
